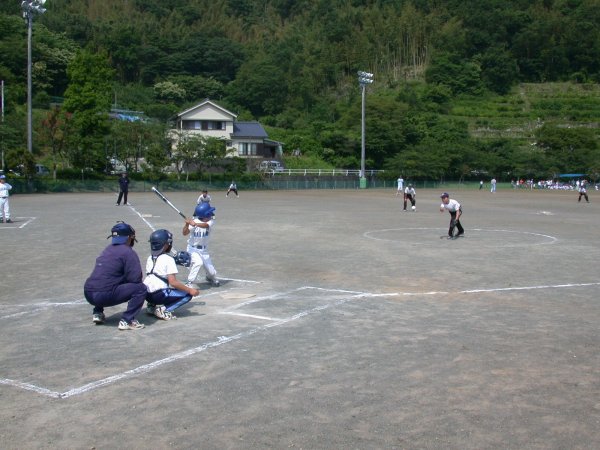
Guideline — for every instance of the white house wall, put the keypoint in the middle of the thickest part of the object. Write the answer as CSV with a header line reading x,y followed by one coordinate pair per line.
x,y
208,112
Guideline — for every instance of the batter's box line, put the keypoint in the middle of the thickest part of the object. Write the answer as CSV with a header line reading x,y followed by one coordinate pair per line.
x,y
15,225
239,336
178,356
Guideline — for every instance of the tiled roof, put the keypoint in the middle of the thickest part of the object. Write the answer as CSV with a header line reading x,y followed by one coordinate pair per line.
x,y
249,129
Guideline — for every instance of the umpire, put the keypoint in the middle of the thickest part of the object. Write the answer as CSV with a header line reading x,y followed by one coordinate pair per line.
x,y
117,278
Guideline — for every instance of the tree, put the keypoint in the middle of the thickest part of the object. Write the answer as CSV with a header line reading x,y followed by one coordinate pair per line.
x,y
88,98
55,134
189,150
569,149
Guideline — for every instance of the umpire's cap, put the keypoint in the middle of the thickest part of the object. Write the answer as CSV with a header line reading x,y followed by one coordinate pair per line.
x,y
445,195
120,233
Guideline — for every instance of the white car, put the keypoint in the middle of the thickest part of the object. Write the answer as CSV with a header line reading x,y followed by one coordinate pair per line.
x,y
270,166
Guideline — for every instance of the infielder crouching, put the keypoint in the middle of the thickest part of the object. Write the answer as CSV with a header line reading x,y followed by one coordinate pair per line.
x,y
165,292
455,211
199,228
410,195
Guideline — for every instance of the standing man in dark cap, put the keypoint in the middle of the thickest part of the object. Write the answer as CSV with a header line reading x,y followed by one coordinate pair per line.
x,y
123,189
117,278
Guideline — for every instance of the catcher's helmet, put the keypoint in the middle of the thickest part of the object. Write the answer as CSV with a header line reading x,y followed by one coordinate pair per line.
x,y
183,259
158,240
204,210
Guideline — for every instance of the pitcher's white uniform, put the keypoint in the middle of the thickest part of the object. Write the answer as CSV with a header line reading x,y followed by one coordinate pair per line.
x,y
4,205
198,249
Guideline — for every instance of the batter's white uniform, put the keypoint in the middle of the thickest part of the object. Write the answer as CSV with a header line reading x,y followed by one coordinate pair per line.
x,y
198,249
4,205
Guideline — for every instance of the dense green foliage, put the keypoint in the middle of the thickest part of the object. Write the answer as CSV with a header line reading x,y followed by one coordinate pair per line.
x,y
457,88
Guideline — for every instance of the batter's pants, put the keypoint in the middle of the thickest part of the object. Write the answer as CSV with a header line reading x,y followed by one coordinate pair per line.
x,y
200,259
132,293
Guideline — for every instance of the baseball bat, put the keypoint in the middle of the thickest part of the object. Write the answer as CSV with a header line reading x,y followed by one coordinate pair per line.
x,y
166,200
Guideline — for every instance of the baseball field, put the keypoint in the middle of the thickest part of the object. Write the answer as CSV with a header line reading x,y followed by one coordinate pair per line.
x,y
341,322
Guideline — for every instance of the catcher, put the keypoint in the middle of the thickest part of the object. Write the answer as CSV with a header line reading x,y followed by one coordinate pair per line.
x,y
165,292
455,211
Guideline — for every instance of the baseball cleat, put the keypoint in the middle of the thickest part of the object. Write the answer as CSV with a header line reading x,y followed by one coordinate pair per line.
x,y
213,282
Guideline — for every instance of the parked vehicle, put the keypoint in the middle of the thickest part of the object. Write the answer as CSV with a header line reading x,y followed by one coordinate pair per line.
x,y
270,166
42,170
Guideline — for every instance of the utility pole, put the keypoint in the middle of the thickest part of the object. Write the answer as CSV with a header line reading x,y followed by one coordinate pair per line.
x,y
364,79
30,8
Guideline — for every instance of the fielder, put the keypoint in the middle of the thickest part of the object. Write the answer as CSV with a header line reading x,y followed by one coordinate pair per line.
x,y
4,206
400,185
455,211
204,197
583,192
199,228
410,194
165,292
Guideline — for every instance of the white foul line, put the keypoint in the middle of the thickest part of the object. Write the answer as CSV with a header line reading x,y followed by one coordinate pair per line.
x,y
252,316
184,354
225,339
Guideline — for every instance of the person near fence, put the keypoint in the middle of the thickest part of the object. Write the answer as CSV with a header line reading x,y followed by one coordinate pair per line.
x,y
400,186
232,188
123,189
583,192
4,205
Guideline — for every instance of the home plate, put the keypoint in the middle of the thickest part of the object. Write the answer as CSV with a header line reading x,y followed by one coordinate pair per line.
x,y
235,295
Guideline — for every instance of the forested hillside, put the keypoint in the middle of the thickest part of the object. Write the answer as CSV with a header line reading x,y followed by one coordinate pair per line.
x,y
458,84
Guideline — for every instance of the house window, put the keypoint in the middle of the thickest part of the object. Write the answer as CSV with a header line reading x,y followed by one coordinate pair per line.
x,y
213,125
247,148
190,124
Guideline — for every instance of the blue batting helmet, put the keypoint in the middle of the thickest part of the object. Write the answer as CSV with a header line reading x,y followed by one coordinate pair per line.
x,y
204,210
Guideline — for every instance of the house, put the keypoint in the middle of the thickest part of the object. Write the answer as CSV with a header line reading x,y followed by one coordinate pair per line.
x,y
243,139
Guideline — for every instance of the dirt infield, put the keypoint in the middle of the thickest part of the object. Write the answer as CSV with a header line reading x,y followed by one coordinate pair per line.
x,y
341,322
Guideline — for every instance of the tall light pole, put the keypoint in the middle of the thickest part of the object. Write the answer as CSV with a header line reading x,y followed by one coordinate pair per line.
x,y
364,79
30,8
